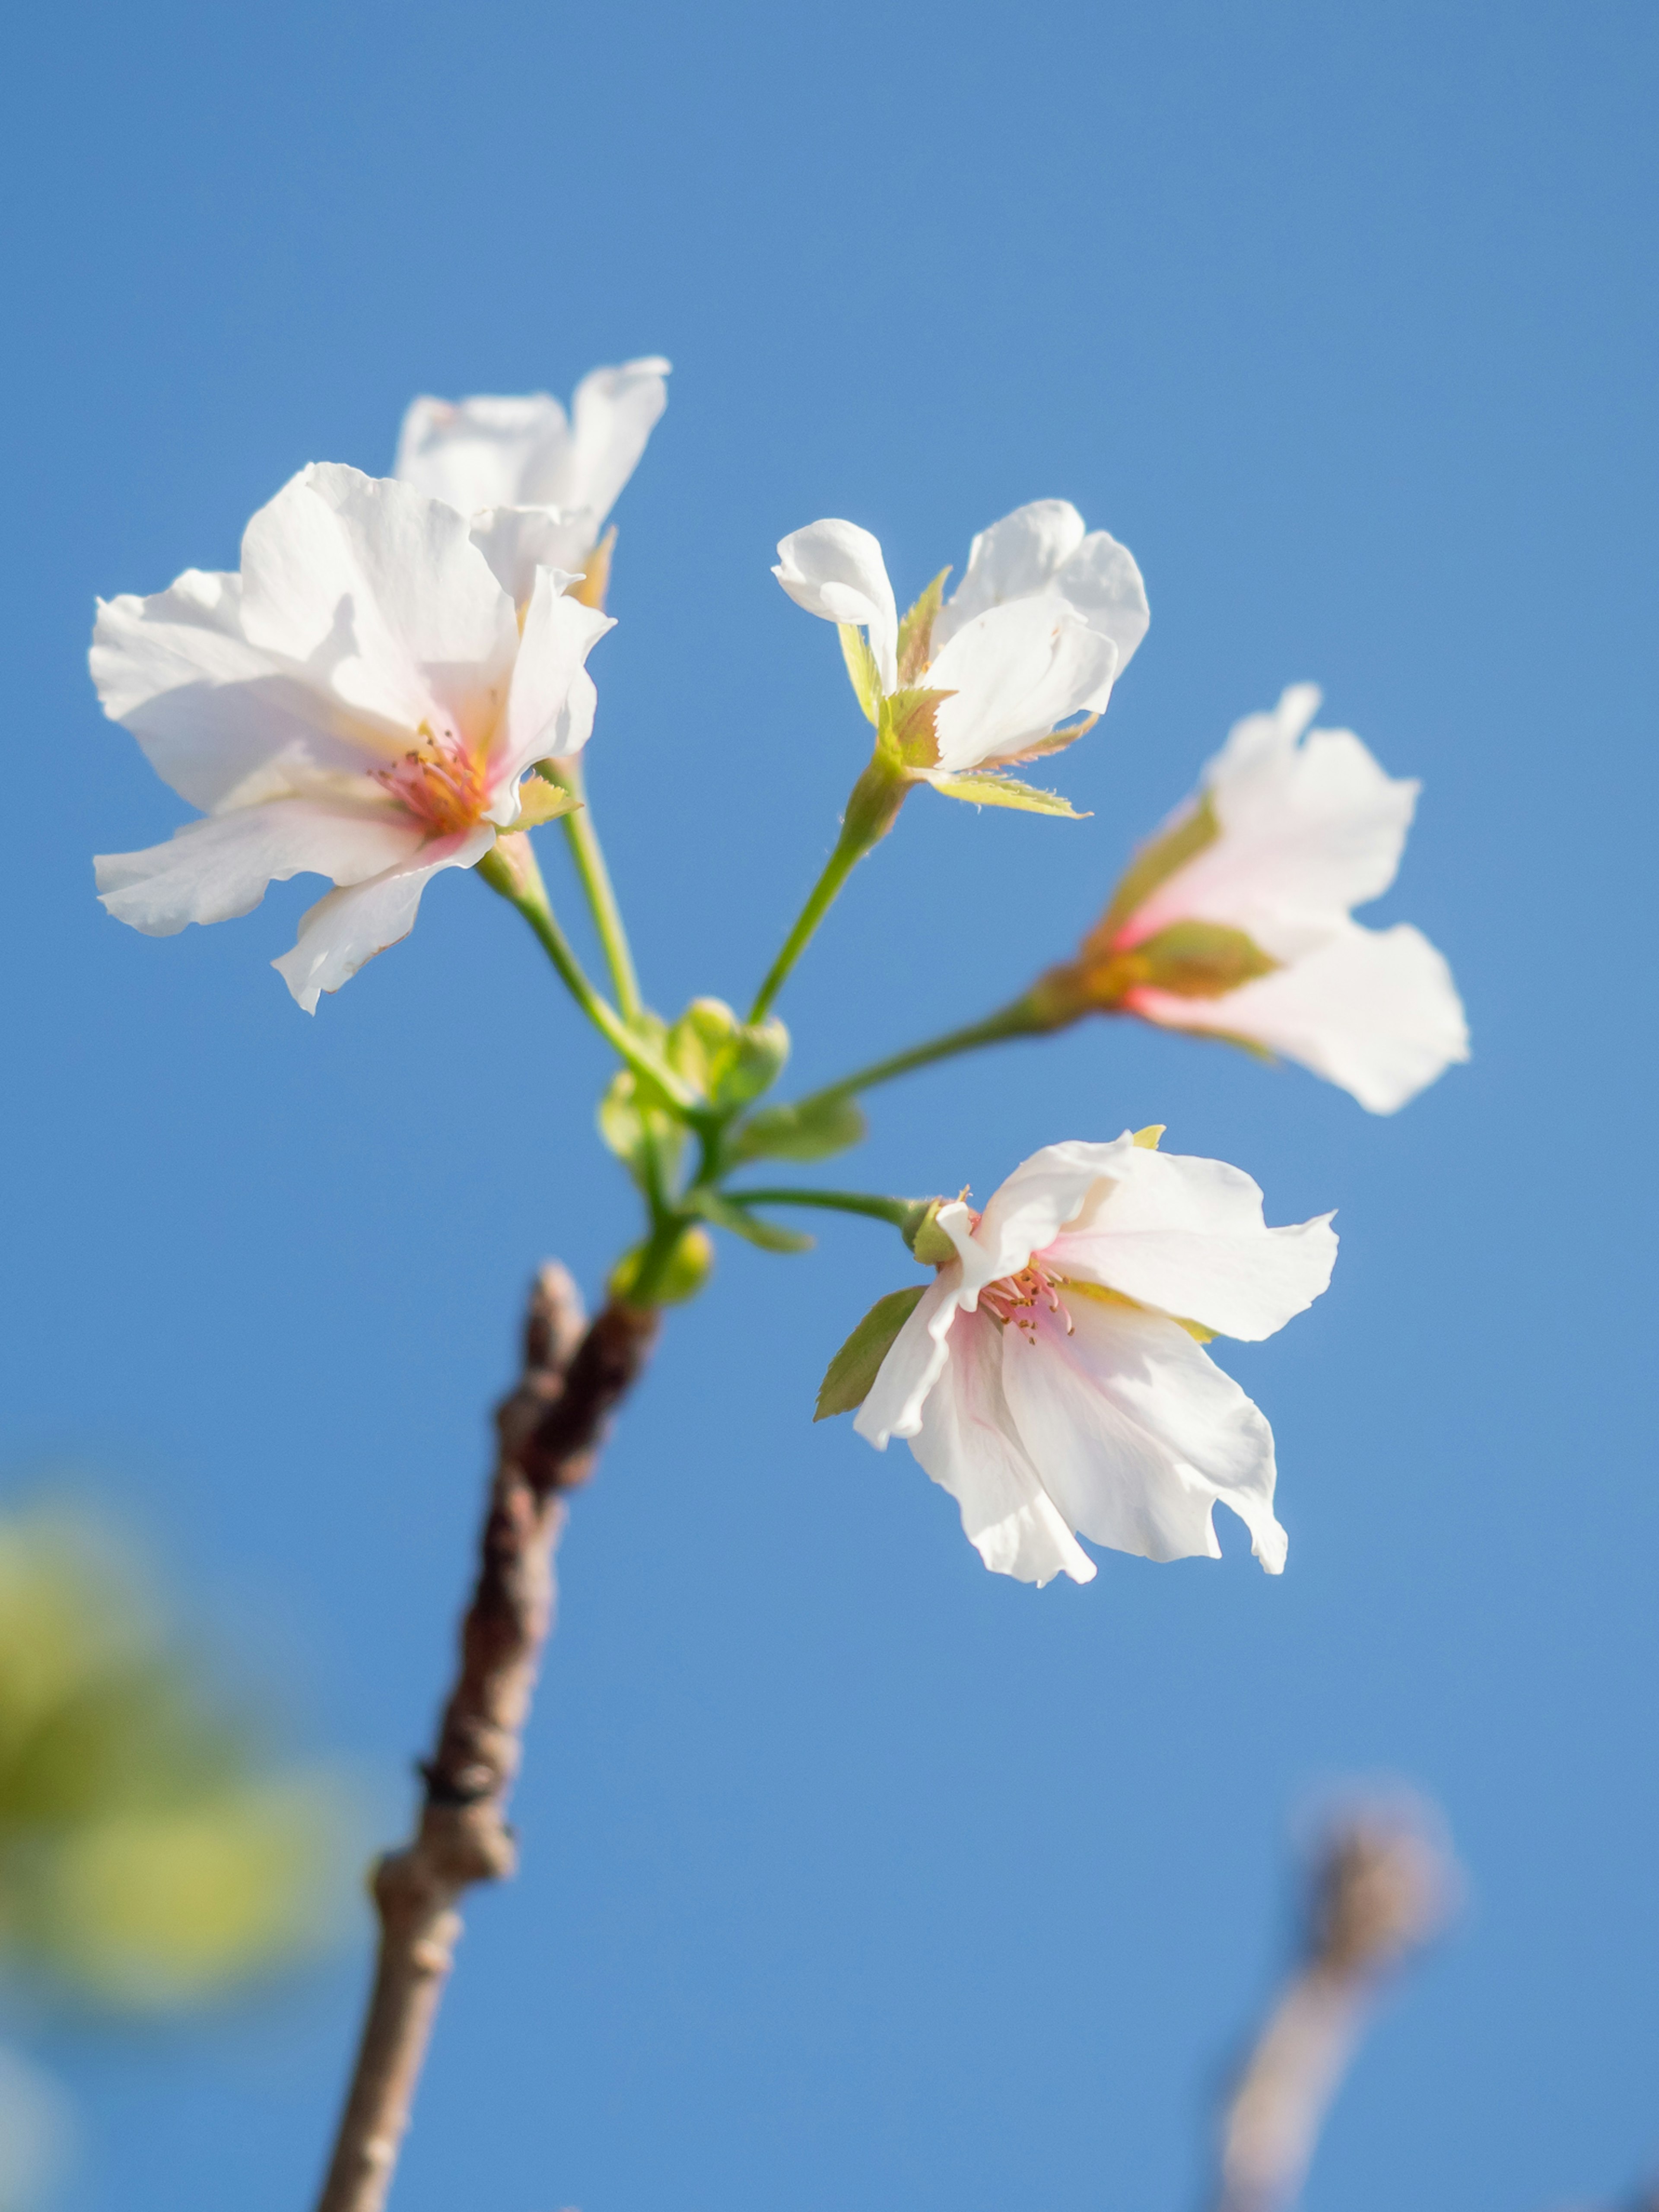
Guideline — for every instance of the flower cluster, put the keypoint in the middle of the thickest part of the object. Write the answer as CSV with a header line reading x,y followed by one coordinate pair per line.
x,y
395,683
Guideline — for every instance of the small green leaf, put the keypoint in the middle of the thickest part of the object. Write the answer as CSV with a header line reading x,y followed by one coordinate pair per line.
x,y
726,1214
540,802
984,788
810,1131
847,1379
1154,864
915,637
1199,960
861,667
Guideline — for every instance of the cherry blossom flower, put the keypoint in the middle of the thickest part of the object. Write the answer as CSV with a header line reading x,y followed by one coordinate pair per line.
x,y
1043,624
359,702
1236,921
538,483
1051,1377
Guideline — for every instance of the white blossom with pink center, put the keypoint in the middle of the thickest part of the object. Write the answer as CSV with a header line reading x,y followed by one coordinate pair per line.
x,y
360,702
1042,626
1051,1377
1308,826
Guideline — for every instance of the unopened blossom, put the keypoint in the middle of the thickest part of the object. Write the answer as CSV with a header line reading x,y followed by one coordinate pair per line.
x,y
1052,1377
360,702
540,483
1236,919
1043,624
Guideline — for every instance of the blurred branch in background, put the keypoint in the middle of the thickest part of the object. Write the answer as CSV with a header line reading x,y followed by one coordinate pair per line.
x,y
152,1856
1381,1885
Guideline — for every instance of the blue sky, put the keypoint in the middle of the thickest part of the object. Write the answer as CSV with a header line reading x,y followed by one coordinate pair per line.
x,y
852,1873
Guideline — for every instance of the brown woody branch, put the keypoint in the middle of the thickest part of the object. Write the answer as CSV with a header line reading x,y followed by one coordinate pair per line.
x,y
1381,1888
551,1430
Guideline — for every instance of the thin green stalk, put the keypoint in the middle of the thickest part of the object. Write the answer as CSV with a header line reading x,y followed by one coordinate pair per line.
x,y
583,839
1018,1019
870,812
521,886
899,1211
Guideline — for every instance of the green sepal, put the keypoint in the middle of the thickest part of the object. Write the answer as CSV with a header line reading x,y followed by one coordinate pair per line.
x,y
986,788
862,668
540,801
1198,960
915,636
688,1268
724,1060
921,1232
726,1214
810,1131
849,1375
906,732
1154,864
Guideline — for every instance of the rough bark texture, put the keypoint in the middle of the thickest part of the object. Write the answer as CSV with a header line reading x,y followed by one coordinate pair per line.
x,y
550,1431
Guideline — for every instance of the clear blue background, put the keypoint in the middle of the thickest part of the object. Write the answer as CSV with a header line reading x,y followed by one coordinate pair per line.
x,y
854,1875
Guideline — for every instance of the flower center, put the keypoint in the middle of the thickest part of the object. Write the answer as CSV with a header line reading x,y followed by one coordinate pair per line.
x,y
1020,1298
441,784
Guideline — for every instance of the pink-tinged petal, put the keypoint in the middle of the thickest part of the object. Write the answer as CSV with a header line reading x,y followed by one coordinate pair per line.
x,y
1188,1237
381,594
1015,672
612,414
836,569
214,714
1028,1212
1015,559
1375,1010
1101,581
558,633
349,927
212,870
516,541
1136,1433
480,453
968,1445
1308,830
915,1360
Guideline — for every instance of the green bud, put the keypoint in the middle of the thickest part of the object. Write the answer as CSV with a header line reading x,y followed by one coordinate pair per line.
x,y
688,1268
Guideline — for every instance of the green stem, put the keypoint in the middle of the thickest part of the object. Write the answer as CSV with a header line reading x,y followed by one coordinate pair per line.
x,y
583,840
519,881
870,812
898,1210
1020,1019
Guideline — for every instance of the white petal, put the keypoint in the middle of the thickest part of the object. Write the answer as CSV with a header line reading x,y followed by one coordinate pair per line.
x,y
1103,583
1015,672
558,632
479,453
381,594
1308,830
612,414
967,1443
1375,1011
209,871
1136,1432
915,1360
516,541
1028,1211
348,928
1015,559
836,569
1188,1237
213,713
